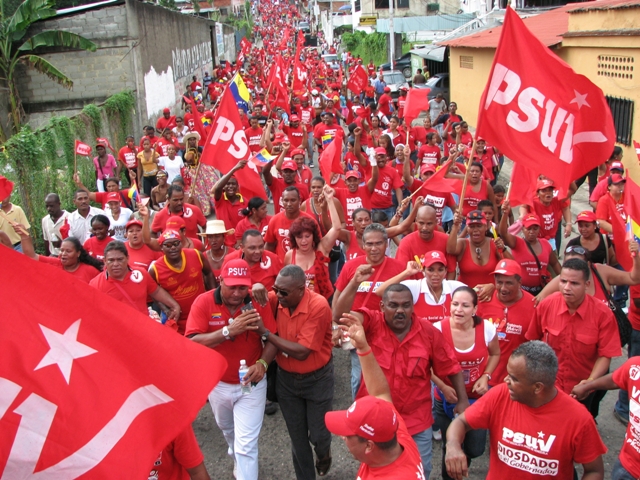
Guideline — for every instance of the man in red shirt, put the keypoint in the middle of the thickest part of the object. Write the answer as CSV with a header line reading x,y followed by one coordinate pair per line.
x,y
425,239
510,310
195,83
229,202
167,140
181,459
388,181
130,286
581,329
254,135
176,206
535,429
165,122
279,185
325,132
355,196
226,321
127,157
438,200
385,102
394,334
369,94
297,134
263,265
372,429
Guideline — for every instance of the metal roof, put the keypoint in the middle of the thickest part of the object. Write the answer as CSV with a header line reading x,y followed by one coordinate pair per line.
x,y
430,52
90,6
436,23
606,5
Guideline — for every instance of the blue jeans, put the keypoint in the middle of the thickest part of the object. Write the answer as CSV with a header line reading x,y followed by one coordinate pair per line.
x,y
356,373
423,441
18,247
621,292
622,405
620,473
310,144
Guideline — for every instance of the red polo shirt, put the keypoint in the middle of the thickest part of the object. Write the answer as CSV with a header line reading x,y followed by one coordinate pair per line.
x,y
407,365
209,314
191,214
577,339
627,377
133,290
141,257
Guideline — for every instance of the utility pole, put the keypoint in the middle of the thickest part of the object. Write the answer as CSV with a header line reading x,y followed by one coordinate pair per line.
x,y
392,39
330,37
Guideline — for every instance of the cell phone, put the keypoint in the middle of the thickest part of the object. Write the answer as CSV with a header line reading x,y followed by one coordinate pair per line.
x,y
247,306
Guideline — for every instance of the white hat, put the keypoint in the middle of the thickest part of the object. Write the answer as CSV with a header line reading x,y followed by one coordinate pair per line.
x,y
314,92
216,227
189,135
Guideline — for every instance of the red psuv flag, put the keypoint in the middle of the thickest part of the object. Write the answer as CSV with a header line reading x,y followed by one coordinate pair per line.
x,y
83,149
227,144
417,101
98,389
538,111
358,80
300,75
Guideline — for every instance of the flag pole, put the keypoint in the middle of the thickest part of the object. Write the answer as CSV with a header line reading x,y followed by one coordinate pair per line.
x,y
75,161
466,177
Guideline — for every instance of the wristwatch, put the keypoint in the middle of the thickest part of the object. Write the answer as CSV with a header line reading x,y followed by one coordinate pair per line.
x,y
265,335
225,333
488,375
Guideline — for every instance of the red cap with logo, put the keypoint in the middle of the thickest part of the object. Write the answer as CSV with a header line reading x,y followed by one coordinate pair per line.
x,y
166,110
352,174
368,417
236,273
476,216
616,178
175,223
586,216
132,222
296,151
542,184
530,220
112,197
168,235
289,165
432,257
294,118
380,151
508,267
427,168
616,166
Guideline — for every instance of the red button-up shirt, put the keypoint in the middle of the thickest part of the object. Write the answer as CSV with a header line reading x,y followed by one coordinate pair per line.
x,y
407,365
578,339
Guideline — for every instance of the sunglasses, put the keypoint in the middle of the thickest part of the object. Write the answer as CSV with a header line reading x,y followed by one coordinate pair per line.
x,y
282,293
575,249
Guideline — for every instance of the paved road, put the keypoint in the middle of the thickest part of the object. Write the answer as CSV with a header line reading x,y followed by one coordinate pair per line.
x,y
275,456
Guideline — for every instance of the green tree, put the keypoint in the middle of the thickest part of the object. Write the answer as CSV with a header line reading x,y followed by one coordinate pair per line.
x,y
15,50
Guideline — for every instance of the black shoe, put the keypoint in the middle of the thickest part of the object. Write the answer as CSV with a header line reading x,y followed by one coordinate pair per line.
x,y
620,418
323,466
270,408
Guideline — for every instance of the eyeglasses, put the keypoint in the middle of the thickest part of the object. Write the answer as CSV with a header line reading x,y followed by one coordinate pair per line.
x,y
283,293
575,249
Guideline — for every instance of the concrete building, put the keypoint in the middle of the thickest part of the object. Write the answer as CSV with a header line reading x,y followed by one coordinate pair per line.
x,y
599,39
141,47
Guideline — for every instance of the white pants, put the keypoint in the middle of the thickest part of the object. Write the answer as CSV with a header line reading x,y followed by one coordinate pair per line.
x,y
240,419
100,185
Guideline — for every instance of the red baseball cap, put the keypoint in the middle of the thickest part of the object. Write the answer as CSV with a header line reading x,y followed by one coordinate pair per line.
x,y
368,417
380,151
508,267
616,178
432,257
387,89
132,222
289,165
236,272
616,166
280,137
476,216
112,197
166,110
586,216
294,118
296,151
542,184
175,223
427,168
530,220
168,235
352,174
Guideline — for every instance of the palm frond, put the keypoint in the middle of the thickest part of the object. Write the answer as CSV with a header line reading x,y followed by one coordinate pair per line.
x,y
57,38
46,68
28,12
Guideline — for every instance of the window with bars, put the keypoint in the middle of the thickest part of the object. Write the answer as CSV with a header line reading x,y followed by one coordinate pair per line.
x,y
622,113
466,61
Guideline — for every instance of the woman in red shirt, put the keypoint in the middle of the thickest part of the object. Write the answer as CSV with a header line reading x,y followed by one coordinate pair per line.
x,y
475,343
254,218
95,245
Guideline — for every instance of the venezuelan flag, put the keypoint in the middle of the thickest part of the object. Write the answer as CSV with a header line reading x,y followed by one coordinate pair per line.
x,y
133,193
263,156
632,208
326,139
240,92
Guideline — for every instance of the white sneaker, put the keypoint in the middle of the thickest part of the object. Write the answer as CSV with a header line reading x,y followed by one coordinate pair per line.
x,y
235,469
437,435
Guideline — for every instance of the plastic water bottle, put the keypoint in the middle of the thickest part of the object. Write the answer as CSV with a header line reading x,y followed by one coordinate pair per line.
x,y
242,371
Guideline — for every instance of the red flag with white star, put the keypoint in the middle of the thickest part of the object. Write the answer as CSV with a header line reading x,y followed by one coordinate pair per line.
x,y
89,388
538,111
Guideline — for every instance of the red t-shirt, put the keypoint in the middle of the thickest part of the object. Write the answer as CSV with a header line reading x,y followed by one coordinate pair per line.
x,y
182,453
231,214
141,257
369,91
85,273
608,208
407,466
439,200
511,325
264,272
138,285
163,147
634,311
384,104
365,295
530,271
277,188
549,215
627,377
278,233
101,198
429,155
535,443
166,123
191,214
307,115
325,134
95,247
253,137
388,181
352,201
245,224
209,314
127,156
412,245
296,135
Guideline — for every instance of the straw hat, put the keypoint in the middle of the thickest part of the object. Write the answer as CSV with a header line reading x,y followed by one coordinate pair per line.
x,y
216,227
189,135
